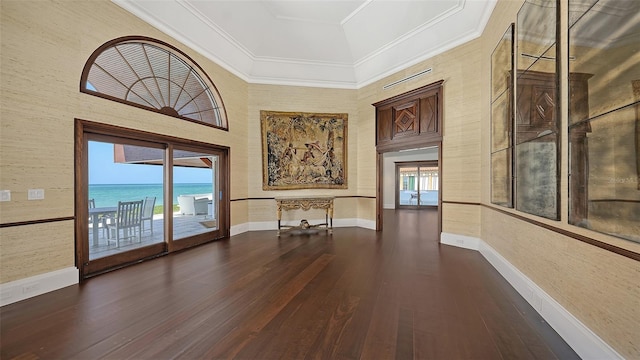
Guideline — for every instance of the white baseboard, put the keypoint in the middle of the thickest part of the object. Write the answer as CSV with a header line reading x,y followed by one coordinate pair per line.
x,y
273,225
467,242
581,339
262,225
584,342
367,224
22,289
238,229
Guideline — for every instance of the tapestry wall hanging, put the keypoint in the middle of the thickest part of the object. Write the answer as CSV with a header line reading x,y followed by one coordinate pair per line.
x,y
303,150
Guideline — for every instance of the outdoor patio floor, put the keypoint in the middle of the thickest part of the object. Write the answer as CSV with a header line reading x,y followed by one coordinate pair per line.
x,y
183,226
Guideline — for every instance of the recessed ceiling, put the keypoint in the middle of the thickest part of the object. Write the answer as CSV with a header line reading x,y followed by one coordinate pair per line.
x,y
340,44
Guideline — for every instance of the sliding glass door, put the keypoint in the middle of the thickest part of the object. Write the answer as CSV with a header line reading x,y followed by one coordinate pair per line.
x,y
417,184
195,196
122,174
141,196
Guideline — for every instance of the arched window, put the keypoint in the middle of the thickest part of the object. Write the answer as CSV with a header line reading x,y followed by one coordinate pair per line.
x,y
153,75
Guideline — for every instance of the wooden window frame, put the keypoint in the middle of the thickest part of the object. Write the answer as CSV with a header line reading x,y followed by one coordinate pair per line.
x,y
84,128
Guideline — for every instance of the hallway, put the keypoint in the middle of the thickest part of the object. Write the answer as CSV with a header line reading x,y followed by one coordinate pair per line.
x,y
359,294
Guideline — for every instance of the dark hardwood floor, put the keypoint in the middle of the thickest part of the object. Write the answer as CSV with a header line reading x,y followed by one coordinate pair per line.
x,y
359,294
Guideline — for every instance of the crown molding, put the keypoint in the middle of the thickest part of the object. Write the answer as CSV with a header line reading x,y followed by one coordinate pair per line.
x,y
237,59
208,39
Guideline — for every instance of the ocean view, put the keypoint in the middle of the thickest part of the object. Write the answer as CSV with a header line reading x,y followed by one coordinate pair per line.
x,y
110,194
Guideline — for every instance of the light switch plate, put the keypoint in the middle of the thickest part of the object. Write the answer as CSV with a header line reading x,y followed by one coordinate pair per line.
x,y
35,194
5,195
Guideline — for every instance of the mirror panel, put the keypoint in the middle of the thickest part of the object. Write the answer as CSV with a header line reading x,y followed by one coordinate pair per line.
x,y
546,63
536,117
502,65
536,32
501,178
502,120
612,197
501,123
604,116
536,180
605,43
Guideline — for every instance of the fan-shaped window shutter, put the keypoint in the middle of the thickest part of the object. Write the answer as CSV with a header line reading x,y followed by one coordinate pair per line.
x,y
156,76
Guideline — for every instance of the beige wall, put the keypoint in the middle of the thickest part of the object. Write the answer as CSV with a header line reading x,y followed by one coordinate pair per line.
x,y
461,129
45,46
299,99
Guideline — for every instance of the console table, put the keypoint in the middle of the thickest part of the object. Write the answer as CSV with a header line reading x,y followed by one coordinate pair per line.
x,y
305,203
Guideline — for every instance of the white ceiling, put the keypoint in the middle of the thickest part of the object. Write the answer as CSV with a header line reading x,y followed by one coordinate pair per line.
x,y
339,44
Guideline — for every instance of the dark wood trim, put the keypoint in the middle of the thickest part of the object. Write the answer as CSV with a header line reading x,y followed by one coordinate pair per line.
x,y
224,185
253,198
396,177
81,190
420,163
113,131
186,243
386,136
168,193
409,143
34,222
410,93
337,197
615,200
461,203
379,184
603,245
104,264
355,196
440,185
559,114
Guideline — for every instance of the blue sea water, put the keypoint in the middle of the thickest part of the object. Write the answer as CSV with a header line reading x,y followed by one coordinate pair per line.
x,y
110,194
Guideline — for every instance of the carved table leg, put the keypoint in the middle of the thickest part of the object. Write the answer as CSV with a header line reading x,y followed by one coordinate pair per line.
x,y
330,213
279,216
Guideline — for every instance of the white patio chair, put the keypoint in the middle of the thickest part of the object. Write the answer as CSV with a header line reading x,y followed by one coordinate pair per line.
x,y
92,205
101,221
147,211
127,222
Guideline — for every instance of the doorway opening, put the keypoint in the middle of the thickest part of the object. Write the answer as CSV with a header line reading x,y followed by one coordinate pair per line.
x,y
404,173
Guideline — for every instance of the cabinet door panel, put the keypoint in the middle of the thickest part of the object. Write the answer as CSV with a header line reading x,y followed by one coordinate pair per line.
x,y
411,119
383,128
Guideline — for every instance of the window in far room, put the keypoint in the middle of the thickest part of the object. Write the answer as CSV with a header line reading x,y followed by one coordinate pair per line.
x,y
417,184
